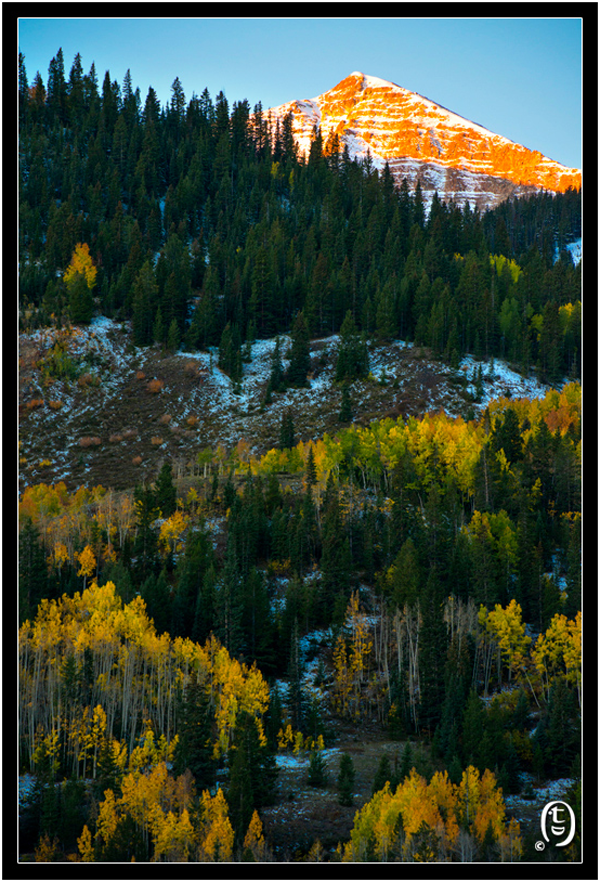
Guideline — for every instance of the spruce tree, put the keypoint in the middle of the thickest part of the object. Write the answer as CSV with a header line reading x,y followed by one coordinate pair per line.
x,y
145,546
345,780
383,774
287,438
317,772
173,336
300,353
194,750
353,359
253,774
81,303
276,378
165,493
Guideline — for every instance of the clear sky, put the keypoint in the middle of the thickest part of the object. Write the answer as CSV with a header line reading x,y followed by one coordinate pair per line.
x,y
518,77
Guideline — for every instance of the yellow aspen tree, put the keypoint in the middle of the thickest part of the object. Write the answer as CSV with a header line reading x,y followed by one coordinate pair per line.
x,y
97,734
61,555
361,846
171,531
80,279
342,679
172,836
254,840
216,836
509,632
511,843
285,737
491,811
558,651
572,653
163,834
84,843
360,648
108,819
81,262
315,855
87,563
298,742
417,805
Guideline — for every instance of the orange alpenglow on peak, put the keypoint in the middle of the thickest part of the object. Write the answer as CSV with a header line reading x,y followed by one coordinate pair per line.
x,y
423,141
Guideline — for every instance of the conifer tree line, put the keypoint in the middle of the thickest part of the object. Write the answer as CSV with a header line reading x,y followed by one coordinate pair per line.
x,y
207,229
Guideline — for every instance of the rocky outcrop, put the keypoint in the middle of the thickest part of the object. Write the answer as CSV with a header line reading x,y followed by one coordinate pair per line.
x,y
422,141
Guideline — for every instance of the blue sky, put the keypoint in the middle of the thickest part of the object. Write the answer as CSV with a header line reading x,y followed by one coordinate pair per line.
x,y
518,77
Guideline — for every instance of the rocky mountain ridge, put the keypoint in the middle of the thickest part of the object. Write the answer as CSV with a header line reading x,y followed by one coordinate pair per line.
x,y
423,141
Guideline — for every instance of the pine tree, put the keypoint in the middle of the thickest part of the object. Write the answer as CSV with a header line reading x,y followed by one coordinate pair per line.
x,y
156,593
287,438
433,642
173,336
165,494
300,353
383,774
253,774
33,570
345,780
276,378
194,749
353,359
158,331
145,546
145,295
317,772
80,279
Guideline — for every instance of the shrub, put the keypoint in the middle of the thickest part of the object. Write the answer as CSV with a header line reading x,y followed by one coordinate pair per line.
x,y
88,380
89,441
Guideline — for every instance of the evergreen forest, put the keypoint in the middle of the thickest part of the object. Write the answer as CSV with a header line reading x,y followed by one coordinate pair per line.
x,y
386,617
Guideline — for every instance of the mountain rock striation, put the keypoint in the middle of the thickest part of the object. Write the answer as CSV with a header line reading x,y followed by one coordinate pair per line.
x,y
422,141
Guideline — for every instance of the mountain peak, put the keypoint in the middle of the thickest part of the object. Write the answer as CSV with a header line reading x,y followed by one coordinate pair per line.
x,y
423,141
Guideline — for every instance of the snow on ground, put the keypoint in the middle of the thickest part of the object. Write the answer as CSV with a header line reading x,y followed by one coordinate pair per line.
x,y
547,792
500,380
574,248
26,786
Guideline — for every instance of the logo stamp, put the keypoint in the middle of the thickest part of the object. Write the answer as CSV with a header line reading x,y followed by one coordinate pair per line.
x,y
557,822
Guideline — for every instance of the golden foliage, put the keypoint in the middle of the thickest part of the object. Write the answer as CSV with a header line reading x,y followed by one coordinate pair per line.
x,y
134,673
81,263
440,806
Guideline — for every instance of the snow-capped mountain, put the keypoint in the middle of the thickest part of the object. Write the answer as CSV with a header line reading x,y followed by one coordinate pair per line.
x,y
423,141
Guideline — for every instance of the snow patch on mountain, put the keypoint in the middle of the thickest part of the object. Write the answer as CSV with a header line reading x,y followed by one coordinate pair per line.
x,y
421,140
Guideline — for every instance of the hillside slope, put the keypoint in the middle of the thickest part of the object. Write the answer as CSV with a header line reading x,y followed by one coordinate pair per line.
x,y
125,409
